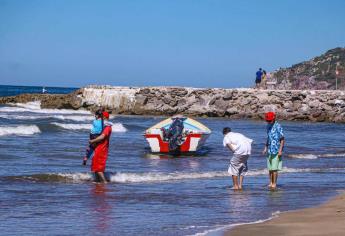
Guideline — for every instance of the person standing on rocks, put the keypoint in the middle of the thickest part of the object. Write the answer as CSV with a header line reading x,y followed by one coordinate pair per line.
x,y
274,148
263,78
258,78
241,147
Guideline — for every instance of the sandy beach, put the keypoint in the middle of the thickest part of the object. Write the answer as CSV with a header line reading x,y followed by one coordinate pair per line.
x,y
327,219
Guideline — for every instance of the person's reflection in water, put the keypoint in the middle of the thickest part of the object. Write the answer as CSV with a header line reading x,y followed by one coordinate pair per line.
x,y
240,205
275,196
100,208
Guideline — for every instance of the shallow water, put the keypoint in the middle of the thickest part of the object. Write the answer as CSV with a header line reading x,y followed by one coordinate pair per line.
x,y
46,190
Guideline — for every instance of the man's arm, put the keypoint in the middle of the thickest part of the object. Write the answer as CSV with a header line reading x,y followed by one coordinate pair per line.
x,y
106,133
281,140
231,147
266,147
282,143
98,139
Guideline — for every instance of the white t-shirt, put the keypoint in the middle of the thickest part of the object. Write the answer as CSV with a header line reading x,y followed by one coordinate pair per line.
x,y
242,144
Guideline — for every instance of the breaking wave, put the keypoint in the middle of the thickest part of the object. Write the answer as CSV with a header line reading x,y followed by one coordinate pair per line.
x,y
73,126
153,177
165,177
35,107
29,105
116,128
59,177
21,130
315,156
74,118
119,128
40,117
162,177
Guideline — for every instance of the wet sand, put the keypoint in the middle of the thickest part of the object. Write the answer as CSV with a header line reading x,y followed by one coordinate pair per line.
x,y
327,219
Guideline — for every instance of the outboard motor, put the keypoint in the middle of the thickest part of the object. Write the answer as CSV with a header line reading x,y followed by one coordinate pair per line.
x,y
174,134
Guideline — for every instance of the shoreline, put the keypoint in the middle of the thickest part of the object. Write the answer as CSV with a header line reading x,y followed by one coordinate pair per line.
x,y
325,219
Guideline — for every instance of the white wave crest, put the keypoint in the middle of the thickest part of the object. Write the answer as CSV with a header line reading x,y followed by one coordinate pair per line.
x,y
77,177
21,130
73,126
316,156
117,127
332,155
163,177
303,156
152,177
29,105
39,117
35,107
21,117
74,117
166,177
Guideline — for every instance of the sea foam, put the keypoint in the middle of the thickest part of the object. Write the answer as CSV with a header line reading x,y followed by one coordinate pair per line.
x,y
35,107
157,177
315,156
45,116
116,127
177,176
73,126
21,130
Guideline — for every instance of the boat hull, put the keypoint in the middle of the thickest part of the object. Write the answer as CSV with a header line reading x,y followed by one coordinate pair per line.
x,y
192,143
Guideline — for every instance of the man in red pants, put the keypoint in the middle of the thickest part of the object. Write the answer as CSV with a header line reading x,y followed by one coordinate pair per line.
x,y
101,151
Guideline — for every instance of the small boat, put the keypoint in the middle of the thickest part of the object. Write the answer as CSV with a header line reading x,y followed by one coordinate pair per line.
x,y
177,134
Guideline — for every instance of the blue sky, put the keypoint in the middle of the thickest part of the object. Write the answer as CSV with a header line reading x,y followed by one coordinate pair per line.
x,y
194,43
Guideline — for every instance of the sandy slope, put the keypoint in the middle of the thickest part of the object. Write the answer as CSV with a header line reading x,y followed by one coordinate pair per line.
x,y
327,219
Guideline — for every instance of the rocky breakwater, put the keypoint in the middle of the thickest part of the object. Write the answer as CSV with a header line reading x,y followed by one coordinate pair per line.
x,y
51,101
313,105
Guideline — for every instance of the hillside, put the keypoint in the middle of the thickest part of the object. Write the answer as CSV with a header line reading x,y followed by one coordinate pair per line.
x,y
317,73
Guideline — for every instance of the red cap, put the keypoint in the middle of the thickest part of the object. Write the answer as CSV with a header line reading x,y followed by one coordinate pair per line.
x,y
105,114
270,116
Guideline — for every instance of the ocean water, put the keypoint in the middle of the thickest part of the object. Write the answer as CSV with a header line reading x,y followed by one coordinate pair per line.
x,y
46,191
12,90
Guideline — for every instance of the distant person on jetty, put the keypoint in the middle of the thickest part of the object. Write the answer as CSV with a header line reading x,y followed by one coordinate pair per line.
x,y
263,78
241,147
274,148
258,78
100,156
96,130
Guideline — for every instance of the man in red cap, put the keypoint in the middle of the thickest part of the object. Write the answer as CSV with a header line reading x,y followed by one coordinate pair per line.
x,y
101,150
274,148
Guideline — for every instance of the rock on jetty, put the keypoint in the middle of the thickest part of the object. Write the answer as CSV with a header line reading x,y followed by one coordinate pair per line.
x,y
312,105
